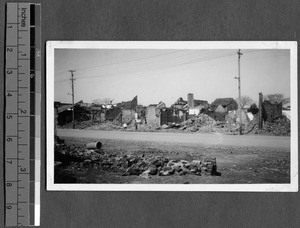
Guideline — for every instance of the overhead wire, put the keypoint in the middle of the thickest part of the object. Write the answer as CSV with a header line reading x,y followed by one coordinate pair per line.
x,y
141,64
216,54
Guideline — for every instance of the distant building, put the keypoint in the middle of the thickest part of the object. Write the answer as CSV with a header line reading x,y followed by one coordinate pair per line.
x,y
153,113
140,113
220,109
129,110
227,103
195,107
114,115
172,115
179,104
234,117
190,101
64,112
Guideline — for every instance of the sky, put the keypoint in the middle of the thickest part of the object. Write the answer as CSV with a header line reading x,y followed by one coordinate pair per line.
x,y
166,75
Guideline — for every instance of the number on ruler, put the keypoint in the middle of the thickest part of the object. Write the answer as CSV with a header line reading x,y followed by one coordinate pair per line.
x,y
9,94
23,111
9,140
9,71
8,184
23,170
9,117
9,161
9,49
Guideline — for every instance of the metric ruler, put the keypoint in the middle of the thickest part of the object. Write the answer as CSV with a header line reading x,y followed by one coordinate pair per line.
x,y
22,114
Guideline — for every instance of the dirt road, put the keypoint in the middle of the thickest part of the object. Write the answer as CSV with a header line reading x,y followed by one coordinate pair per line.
x,y
196,138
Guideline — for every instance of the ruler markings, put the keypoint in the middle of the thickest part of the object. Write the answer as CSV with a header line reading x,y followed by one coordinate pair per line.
x,y
22,67
18,123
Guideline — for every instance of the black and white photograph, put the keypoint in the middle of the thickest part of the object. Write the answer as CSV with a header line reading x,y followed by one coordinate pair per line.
x,y
172,116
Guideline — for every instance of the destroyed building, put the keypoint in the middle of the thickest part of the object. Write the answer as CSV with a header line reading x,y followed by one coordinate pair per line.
x,y
65,113
172,115
227,103
195,107
233,117
220,107
179,104
129,110
271,110
140,114
153,113
96,112
114,115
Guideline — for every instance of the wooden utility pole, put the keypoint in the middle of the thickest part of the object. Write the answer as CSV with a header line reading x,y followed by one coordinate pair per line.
x,y
260,120
239,86
73,108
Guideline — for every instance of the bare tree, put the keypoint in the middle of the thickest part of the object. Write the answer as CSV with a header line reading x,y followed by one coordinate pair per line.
x,y
103,101
277,98
245,100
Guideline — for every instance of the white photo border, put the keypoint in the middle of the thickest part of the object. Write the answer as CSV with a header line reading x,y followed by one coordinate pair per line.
x,y
50,50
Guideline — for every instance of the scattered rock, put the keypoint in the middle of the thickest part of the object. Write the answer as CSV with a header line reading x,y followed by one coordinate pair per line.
x,y
142,165
152,170
167,172
145,174
134,170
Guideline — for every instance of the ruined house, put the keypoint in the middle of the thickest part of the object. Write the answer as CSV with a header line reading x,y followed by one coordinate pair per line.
x,y
140,114
129,110
271,110
65,113
233,117
114,115
172,115
97,113
153,113
179,104
227,103
195,107
220,107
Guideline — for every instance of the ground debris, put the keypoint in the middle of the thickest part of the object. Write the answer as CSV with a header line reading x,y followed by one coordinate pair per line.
x,y
201,123
144,165
280,126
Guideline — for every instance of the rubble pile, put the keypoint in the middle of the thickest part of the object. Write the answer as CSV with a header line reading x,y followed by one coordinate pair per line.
x,y
78,125
280,126
107,126
205,124
142,165
196,122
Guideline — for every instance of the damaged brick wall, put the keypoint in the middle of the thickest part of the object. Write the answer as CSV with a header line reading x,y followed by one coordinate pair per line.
x,y
172,115
271,110
128,115
112,114
153,115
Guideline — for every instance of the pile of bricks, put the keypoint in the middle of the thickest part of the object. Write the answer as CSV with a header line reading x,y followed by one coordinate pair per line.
x,y
141,165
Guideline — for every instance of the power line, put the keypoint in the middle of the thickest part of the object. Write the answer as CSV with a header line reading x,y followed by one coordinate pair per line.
x,y
139,61
191,60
